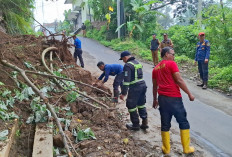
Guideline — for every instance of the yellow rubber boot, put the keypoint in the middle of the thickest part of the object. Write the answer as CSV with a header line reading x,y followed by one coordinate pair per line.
x,y
166,142
185,140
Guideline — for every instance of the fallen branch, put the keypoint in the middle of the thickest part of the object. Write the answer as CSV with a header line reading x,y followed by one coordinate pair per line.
x,y
70,142
56,49
22,72
88,103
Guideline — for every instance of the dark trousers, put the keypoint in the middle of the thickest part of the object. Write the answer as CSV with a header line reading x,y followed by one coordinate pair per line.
x,y
169,106
136,99
203,70
118,81
78,53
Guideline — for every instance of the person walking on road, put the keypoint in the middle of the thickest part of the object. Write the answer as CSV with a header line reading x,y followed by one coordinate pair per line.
x,y
166,42
155,44
136,99
78,50
167,81
202,58
83,27
113,70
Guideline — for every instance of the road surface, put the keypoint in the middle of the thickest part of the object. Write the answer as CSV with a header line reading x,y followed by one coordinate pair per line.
x,y
210,115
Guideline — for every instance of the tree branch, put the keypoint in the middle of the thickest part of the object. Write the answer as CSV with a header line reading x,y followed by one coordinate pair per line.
x,y
22,72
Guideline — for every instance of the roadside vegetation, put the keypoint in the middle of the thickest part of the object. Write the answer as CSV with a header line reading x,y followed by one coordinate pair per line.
x,y
142,20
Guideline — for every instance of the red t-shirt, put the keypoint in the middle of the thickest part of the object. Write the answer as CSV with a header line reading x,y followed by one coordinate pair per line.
x,y
165,81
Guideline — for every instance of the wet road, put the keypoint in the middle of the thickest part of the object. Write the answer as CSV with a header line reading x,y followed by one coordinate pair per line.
x,y
209,115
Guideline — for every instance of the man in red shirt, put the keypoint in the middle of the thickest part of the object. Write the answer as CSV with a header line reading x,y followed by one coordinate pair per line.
x,y
167,81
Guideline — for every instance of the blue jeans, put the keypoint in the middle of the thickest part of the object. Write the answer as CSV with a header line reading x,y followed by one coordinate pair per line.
x,y
203,70
169,106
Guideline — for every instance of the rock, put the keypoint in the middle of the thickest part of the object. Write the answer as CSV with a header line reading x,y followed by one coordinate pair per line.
x,y
85,144
116,136
118,154
58,141
79,115
95,128
230,89
73,107
111,115
85,114
73,124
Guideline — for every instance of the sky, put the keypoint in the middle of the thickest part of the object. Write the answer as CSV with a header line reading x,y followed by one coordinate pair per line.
x,y
50,11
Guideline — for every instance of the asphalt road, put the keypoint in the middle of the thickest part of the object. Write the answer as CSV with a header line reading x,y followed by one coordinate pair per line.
x,y
209,115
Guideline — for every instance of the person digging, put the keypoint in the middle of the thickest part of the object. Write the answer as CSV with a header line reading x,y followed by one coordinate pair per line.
x,y
113,70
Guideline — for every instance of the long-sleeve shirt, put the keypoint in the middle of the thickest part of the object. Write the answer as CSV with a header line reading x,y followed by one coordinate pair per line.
x,y
111,69
77,43
202,51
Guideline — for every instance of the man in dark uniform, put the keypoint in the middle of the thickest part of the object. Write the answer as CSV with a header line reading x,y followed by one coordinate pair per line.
x,y
155,44
166,42
113,70
202,57
136,99
78,50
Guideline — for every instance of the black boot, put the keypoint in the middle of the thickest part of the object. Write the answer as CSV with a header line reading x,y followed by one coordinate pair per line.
x,y
132,127
135,121
144,125
205,85
200,84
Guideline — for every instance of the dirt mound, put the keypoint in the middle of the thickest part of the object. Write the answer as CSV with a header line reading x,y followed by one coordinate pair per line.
x,y
3,37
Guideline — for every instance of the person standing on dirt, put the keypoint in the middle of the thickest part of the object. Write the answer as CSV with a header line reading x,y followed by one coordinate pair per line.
x,y
113,70
78,50
136,99
202,58
155,44
167,81
83,27
166,42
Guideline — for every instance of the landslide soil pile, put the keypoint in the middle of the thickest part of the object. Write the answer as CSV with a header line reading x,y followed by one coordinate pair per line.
x,y
112,138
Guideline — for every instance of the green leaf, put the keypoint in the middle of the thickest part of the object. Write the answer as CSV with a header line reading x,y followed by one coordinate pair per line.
x,y
10,101
29,65
30,119
27,92
1,83
3,105
5,93
3,135
72,96
119,27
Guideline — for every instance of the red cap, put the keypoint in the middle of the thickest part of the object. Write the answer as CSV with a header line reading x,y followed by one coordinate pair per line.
x,y
201,33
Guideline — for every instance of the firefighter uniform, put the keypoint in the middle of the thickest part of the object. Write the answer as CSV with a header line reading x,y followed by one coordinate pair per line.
x,y
136,99
202,53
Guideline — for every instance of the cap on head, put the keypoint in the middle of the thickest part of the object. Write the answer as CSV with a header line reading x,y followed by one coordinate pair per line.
x,y
124,53
165,34
201,33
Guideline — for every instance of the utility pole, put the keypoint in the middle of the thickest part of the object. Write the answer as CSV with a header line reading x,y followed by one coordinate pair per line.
x,y
119,17
199,16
